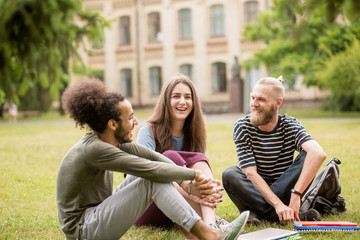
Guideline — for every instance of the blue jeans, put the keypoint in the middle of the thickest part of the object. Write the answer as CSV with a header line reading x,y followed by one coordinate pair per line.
x,y
246,197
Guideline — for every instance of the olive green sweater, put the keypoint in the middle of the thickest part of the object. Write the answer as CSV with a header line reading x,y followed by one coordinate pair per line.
x,y
85,177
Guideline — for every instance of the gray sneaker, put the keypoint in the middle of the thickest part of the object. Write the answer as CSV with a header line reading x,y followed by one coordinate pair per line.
x,y
310,215
253,219
232,230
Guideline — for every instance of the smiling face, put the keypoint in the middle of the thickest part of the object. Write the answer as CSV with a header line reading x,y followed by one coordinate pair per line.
x,y
124,131
263,105
181,102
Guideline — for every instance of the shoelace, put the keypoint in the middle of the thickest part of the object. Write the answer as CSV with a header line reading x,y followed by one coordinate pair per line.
x,y
221,221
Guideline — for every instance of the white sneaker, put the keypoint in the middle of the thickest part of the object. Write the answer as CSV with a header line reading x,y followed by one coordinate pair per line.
x,y
232,230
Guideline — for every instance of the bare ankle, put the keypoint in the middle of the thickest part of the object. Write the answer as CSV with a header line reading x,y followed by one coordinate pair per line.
x,y
204,231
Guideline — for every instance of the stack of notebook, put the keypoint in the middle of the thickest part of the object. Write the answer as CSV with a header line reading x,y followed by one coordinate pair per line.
x,y
270,234
325,226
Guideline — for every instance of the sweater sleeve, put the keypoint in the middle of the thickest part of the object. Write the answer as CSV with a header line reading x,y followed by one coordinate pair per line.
x,y
144,152
136,160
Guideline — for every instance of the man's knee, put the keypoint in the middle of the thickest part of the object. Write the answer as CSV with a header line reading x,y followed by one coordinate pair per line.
x,y
230,175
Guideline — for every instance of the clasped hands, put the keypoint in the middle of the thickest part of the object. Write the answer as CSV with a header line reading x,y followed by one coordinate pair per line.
x,y
205,191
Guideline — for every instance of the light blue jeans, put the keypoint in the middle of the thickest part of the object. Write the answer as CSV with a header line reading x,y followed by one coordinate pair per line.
x,y
246,197
116,214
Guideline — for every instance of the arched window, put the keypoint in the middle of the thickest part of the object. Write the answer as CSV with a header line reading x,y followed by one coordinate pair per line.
x,y
251,10
155,81
154,31
184,21
124,30
217,24
187,69
218,77
126,82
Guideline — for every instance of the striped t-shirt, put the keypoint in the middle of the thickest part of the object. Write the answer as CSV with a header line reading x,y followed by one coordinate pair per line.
x,y
271,152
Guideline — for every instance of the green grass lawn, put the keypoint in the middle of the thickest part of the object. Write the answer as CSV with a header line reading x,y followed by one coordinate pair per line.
x,y
31,151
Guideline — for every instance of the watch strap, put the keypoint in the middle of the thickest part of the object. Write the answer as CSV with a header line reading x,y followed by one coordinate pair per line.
x,y
188,189
296,192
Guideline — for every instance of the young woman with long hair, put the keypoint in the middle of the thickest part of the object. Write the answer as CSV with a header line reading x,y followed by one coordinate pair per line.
x,y
177,129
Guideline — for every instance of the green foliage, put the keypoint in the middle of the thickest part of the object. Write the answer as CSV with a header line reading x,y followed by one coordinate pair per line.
x,y
291,47
37,39
341,74
37,98
83,70
333,8
299,47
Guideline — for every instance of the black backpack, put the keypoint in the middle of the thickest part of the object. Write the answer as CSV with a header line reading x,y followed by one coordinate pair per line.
x,y
324,191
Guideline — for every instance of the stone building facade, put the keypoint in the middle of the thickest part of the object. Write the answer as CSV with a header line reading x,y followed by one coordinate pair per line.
x,y
150,40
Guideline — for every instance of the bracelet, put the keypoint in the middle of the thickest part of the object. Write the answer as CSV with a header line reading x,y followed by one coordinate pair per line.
x,y
296,192
188,188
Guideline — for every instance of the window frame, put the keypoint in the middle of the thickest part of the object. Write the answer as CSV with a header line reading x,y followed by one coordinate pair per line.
x,y
251,11
154,27
189,71
185,24
126,82
155,81
218,77
217,20
124,31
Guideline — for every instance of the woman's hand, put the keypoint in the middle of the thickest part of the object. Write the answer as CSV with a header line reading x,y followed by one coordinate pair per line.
x,y
203,190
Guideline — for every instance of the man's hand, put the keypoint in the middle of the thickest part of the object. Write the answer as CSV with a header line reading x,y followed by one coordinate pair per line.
x,y
285,213
295,205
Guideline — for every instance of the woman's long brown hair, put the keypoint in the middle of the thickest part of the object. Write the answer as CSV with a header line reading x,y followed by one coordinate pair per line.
x,y
194,126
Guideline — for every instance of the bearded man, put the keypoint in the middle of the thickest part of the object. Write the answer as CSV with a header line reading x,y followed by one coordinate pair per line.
x,y
269,181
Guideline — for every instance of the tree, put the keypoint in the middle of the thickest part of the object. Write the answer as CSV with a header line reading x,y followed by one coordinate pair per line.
x,y
341,74
299,40
334,8
37,40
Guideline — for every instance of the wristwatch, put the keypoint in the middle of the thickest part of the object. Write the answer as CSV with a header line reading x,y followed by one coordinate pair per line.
x,y
188,189
296,192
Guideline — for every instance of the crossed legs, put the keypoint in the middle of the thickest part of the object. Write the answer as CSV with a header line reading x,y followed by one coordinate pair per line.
x,y
246,197
116,214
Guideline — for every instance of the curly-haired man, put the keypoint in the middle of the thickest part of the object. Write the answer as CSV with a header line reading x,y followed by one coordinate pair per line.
x,y
87,207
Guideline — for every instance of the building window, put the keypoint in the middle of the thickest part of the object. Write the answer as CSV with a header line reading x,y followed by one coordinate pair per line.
x,y
124,30
251,77
154,31
185,29
187,69
251,10
219,77
217,25
155,81
126,82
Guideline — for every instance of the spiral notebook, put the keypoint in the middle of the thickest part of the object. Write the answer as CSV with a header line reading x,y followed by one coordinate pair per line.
x,y
325,226
270,234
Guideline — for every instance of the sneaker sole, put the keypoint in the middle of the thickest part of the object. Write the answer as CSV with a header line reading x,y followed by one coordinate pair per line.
x,y
243,226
